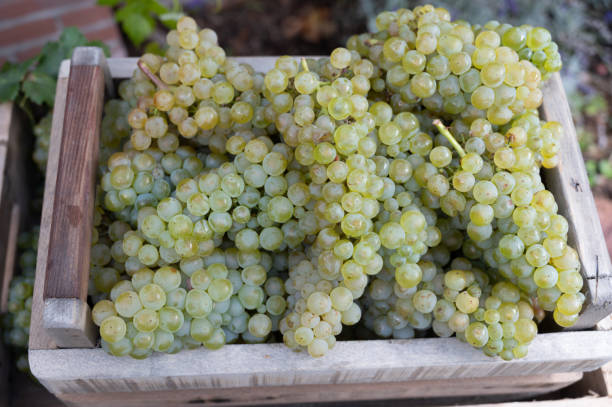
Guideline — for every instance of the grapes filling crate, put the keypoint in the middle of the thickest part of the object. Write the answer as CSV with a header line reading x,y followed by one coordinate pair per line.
x,y
63,353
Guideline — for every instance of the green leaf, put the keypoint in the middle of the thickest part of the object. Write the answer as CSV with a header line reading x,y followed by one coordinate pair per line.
x,y
11,76
40,88
110,3
50,58
157,8
128,10
53,53
71,37
138,27
605,167
154,48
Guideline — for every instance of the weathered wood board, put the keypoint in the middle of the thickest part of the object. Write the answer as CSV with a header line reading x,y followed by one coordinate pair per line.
x,y
13,192
570,185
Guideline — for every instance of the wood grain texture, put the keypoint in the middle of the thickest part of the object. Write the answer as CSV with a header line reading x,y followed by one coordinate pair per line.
x,y
14,196
458,390
68,322
70,235
39,339
570,185
578,402
9,242
92,370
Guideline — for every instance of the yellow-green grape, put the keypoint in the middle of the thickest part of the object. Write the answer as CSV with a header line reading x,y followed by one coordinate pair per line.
x,y
102,310
198,303
113,329
477,334
260,325
127,304
152,296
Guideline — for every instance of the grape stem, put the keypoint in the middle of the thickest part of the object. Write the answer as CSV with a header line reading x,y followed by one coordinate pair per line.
x,y
444,131
145,69
304,65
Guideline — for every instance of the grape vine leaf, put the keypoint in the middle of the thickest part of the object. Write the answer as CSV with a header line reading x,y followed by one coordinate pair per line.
x,y
40,88
137,16
53,53
137,27
11,76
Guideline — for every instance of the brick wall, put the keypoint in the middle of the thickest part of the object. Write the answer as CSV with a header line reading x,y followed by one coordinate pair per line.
x,y
26,25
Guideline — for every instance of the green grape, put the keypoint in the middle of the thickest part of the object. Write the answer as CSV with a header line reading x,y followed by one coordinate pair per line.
x,y
113,329
152,296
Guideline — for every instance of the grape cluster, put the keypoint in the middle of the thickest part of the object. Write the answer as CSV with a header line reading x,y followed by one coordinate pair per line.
x,y
454,69
234,204
42,136
16,322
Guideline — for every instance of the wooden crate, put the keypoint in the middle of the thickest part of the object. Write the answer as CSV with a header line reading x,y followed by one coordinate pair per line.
x,y
61,353
13,203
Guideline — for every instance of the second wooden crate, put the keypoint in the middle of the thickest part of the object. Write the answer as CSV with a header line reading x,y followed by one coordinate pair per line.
x,y
13,207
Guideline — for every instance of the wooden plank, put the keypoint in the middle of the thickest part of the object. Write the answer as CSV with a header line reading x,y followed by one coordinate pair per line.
x,y
93,370
13,198
406,390
70,234
13,192
580,402
570,185
6,116
39,339
70,320
10,259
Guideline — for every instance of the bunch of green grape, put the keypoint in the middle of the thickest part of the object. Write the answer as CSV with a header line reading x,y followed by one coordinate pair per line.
x,y
42,136
395,184
456,70
16,322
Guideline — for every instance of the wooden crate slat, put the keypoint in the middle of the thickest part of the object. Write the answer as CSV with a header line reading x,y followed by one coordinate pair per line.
x,y
13,204
570,185
581,402
87,370
457,389
13,192
39,339
66,315
70,235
